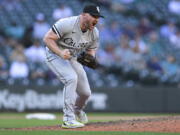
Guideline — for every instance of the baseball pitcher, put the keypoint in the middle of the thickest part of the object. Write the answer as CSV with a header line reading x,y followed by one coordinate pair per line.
x,y
71,43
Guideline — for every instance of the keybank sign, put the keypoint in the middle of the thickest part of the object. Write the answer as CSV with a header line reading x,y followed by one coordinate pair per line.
x,y
32,100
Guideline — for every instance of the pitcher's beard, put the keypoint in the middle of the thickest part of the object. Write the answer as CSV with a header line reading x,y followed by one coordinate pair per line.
x,y
86,26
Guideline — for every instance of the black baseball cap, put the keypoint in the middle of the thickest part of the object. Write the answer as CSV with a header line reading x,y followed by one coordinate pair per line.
x,y
92,10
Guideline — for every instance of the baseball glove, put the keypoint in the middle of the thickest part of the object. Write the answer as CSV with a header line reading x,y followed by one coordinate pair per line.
x,y
87,60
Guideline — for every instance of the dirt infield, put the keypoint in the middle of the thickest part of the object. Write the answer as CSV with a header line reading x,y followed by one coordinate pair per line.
x,y
135,124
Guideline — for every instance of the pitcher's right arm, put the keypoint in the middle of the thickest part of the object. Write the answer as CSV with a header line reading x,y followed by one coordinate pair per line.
x,y
50,39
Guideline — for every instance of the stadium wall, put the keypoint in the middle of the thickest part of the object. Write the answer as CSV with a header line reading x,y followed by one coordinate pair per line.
x,y
48,98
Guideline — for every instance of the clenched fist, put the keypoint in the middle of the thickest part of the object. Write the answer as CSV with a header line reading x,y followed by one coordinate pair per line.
x,y
65,54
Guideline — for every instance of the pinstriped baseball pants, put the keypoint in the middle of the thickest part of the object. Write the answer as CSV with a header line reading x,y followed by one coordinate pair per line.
x,y
76,86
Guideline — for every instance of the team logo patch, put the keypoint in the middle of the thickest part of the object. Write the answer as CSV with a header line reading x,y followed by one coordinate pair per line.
x,y
98,9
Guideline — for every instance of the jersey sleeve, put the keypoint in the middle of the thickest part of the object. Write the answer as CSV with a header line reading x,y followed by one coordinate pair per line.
x,y
62,27
95,43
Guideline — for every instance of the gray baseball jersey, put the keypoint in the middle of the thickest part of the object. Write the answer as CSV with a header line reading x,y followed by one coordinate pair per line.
x,y
71,36
70,72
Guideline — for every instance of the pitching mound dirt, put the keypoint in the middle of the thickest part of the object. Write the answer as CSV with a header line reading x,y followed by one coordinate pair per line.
x,y
150,124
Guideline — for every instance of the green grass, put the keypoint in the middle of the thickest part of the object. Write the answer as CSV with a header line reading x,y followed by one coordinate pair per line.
x,y
17,120
78,133
21,123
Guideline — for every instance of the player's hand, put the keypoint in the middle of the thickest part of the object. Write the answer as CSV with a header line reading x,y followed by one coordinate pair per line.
x,y
65,54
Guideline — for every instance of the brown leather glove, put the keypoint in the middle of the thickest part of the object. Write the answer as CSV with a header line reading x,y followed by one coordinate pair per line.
x,y
87,60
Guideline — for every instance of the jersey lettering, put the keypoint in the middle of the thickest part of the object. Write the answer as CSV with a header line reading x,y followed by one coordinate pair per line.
x,y
69,41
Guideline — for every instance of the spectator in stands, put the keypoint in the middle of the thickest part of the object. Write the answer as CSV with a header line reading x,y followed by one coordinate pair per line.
x,y
129,30
129,57
115,30
123,51
15,31
168,29
175,39
105,35
27,39
154,46
144,27
121,5
18,68
8,45
174,6
4,73
139,43
106,56
154,64
11,5
50,75
35,53
118,7
40,26
61,12
136,61
170,68
17,53
4,47
105,3
37,73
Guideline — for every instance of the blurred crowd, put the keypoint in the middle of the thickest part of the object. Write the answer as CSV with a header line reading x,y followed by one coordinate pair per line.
x,y
140,54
